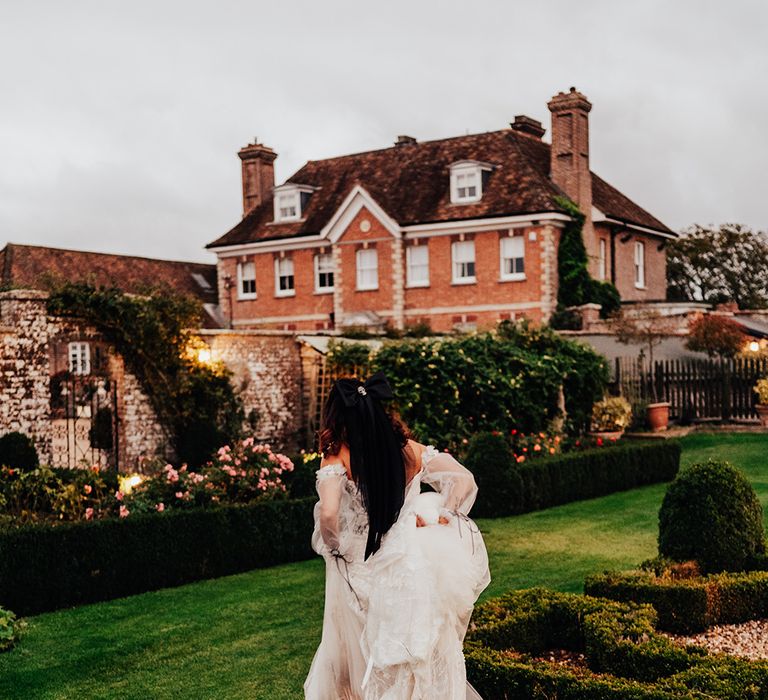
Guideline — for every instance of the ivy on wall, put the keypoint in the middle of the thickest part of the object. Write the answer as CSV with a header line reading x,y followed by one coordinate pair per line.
x,y
195,402
575,285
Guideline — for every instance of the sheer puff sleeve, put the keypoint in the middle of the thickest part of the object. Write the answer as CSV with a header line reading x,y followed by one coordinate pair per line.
x,y
454,482
330,483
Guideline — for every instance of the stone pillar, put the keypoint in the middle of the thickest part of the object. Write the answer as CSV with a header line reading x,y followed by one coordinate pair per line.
x,y
398,284
338,295
548,272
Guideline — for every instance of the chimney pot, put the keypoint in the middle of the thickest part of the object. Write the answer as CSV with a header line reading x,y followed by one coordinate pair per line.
x,y
404,140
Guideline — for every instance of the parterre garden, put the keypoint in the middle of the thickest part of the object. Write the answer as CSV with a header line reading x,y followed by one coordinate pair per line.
x,y
559,507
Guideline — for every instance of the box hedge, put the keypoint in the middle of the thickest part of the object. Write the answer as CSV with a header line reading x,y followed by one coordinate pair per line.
x,y
688,605
46,567
625,656
551,481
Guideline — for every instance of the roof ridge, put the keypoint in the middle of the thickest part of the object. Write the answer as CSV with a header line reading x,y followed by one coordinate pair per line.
x,y
402,146
109,255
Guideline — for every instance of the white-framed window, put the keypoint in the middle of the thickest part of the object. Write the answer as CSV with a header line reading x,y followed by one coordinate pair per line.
x,y
467,181
287,205
324,272
639,264
367,260
246,280
284,277
79,355
463,260
602,259
417,265
513,258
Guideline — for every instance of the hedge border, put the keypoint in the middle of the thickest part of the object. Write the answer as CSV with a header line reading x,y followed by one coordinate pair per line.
x,y
688,605
47,567
627,658
574,476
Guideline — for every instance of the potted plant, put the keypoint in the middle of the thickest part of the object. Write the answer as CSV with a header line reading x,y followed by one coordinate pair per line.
x,y
645,325
610,417
761,389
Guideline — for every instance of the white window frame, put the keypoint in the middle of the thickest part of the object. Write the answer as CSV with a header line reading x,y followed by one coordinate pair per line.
x,y
464,169
287,199
456,262
510,242
639,265
602,258
319,289
241,294
79,357
361,269
280,263
411,265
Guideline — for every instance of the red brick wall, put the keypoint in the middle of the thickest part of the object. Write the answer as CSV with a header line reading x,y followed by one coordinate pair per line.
x,y
655,268
353,238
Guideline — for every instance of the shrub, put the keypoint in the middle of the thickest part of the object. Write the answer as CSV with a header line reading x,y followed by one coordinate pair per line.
x,y
613,413
626,657
711,513
761,389
18,452
44,567
564,478
490,460
9,629
690,604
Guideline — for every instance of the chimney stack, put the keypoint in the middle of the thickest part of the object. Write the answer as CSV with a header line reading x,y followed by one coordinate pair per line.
x,y
569,166
258,174
527,125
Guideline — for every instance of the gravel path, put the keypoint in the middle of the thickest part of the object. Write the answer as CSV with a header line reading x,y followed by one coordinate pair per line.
x,y
747,639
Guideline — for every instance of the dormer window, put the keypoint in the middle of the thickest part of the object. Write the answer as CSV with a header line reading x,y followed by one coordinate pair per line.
x,y
291,201
467,180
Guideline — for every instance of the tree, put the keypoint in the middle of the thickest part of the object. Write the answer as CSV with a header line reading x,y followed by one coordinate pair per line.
x,y
729,263
644,325
715,335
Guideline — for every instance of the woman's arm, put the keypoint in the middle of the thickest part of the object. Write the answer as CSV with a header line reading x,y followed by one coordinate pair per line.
x,y
453,481
330,482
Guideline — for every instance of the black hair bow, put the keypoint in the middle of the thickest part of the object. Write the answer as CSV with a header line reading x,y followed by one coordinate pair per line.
x,y
376,386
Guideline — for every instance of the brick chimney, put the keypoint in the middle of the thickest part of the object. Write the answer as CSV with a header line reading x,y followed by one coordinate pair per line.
x,y
569,166
258,174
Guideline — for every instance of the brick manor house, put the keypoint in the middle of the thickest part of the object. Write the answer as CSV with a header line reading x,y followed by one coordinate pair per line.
x,y
459,233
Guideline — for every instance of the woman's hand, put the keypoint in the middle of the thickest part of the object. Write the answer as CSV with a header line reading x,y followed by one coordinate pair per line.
x,y
420,522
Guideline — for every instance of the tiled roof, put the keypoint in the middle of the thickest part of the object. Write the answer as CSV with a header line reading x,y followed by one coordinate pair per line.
x,y
39,267
411,183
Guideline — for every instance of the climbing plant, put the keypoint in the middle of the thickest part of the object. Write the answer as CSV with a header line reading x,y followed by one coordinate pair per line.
x,y
194,401
575,285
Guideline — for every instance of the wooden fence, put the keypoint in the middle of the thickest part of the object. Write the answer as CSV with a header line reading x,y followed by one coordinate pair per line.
x,y
696,389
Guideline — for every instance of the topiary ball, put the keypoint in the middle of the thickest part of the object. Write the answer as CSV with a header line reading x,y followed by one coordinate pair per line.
x,y
711,513
18,452
499,484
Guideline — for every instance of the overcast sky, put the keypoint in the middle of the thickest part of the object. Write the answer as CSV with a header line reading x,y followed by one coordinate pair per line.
x,y
120,121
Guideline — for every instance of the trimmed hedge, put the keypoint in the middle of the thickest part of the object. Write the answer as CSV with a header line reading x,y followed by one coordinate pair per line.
x,y
45,567
626,657
692,604
551,481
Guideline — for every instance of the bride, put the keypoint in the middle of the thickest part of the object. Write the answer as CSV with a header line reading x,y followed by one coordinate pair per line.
x,y
403,568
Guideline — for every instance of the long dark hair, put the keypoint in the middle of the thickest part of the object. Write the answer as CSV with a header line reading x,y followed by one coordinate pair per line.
x,y
355,416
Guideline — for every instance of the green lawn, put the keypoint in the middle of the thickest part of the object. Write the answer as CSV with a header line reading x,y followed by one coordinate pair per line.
x,y
253,635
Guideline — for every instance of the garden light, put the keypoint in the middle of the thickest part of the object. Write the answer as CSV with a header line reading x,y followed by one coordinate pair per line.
x,y
128,483
204,356
754,346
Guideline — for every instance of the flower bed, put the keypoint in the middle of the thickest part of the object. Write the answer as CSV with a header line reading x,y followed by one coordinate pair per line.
x,y
686,605
240,473
624,655
46,567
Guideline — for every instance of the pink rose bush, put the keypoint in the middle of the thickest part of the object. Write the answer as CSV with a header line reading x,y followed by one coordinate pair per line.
x,y
241,473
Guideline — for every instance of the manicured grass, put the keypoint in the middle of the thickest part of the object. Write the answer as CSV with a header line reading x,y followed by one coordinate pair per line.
x,y
253,635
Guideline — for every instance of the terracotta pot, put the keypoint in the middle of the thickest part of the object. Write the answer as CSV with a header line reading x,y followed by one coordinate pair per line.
x,y
607,435
762,414
658,416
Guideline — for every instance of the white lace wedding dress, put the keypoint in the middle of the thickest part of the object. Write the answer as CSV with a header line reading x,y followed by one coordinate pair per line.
x,y
393,626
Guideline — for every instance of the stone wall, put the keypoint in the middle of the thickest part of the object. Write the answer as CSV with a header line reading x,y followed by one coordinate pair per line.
x,y
266,366
267,371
